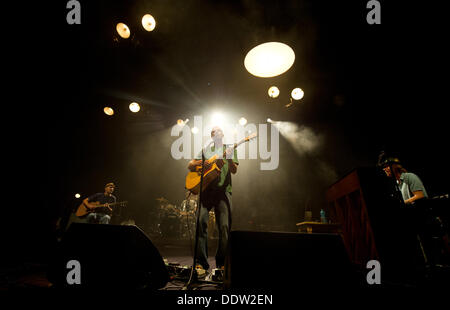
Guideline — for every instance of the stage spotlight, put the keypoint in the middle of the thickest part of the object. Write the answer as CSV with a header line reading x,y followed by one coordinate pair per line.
x,y
269,59
123,30
134,107
242,121
269,120
108,111
181,123
194,130
273,92
148,22
217,119
297,93
77,195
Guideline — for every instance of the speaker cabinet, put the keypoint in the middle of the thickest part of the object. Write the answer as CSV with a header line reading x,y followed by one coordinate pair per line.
x,y
107,256
282,259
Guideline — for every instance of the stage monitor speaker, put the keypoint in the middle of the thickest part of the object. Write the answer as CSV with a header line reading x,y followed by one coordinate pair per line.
x,y
107,256
282,260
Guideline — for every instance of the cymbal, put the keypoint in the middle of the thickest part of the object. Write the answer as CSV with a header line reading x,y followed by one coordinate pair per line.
x,y
162,199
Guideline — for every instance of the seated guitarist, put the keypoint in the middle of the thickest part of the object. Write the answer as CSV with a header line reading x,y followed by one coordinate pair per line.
x,y
101,215
216,196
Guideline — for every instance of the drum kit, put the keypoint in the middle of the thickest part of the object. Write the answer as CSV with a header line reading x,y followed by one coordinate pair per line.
x,y
179,221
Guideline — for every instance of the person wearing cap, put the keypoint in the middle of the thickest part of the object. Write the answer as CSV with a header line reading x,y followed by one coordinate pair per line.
x,y
424,223
410,185
101,216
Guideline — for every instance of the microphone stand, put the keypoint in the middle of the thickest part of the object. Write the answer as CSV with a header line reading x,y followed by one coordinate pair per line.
x,y
193,276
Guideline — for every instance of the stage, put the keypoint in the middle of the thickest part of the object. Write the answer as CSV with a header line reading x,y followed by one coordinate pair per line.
x,y
174,251
305,257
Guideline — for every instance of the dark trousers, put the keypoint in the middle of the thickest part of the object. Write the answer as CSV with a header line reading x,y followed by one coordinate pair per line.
x,y
429,229
220,202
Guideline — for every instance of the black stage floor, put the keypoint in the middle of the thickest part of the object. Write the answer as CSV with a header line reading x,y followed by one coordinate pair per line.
x,y
174,251
180,252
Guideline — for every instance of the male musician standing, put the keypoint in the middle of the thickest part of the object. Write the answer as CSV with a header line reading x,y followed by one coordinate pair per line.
x,y
104,198
216,196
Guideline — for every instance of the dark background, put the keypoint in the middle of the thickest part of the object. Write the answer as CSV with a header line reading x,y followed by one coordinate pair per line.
x,y
367,88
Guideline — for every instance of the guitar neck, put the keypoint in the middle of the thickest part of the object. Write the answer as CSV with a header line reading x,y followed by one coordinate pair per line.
x,y
234,146
110,204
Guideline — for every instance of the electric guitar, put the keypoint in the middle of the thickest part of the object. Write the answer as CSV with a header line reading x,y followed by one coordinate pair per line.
x,y
193,178
83,209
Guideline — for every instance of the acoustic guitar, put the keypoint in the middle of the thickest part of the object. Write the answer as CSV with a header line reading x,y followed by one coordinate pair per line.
x,y
83,209
193,178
